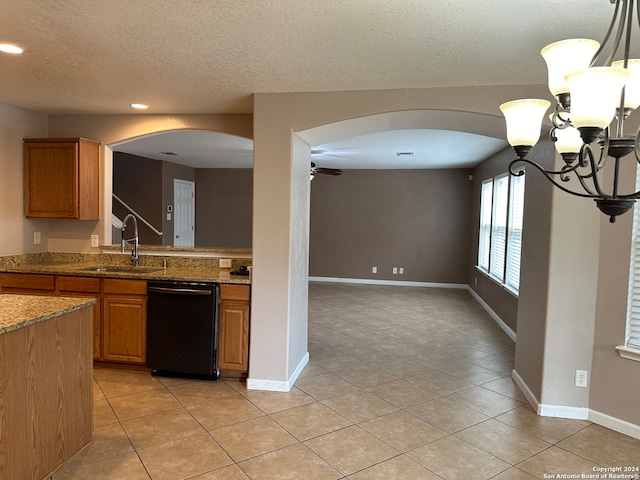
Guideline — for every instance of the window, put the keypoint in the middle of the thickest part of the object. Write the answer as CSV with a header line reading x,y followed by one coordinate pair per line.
x,y
500,242
632,337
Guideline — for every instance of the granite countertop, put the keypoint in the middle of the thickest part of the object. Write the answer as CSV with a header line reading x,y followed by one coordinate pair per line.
x,y
178,273
17,311
119,266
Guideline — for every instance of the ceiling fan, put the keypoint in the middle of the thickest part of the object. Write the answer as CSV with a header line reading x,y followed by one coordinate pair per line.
x,y
326,171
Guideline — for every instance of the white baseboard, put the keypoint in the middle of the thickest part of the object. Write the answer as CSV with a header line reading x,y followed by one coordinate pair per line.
x,y
296,373
616,424
576,413
510,333
399,283
562,411
278,385
531,398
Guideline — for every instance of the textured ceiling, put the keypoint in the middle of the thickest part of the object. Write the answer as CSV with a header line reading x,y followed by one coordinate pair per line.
x,y
198,56
192,56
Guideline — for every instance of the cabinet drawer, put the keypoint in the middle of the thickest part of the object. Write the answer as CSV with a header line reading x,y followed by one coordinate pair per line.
x,y
27,281
234,292
78,284
124,287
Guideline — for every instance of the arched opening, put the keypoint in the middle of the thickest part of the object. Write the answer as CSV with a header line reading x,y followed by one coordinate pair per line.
x,y
216,165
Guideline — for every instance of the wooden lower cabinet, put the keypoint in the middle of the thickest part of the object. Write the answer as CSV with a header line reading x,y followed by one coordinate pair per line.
x,y
120,316
124,321
85,287
233,329
27,283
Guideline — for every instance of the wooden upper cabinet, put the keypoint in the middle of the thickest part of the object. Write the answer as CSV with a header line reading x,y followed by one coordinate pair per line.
x,y
62,178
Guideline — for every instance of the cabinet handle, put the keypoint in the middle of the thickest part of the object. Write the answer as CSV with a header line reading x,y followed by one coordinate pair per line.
x,y
179,291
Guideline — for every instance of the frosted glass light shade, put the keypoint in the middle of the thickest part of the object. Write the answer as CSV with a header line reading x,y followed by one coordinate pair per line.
x,y
595,92
567,56
568,140
524,119
632,87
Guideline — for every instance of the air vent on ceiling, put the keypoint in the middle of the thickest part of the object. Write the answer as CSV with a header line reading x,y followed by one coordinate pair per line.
x,y
405,154
173,153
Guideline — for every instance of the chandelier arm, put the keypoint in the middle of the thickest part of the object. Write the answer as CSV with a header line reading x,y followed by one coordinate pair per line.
x,y
603,151
618,37
594,170
636,149
627,46
546,175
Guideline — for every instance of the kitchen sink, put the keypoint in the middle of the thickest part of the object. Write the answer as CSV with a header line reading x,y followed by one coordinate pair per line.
x,y
115,269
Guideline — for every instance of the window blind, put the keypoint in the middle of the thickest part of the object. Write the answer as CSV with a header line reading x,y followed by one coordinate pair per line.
x,y
499,227
484,242
514,242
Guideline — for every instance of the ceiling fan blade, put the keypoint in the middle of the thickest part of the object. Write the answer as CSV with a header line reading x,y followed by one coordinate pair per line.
x,y
329,171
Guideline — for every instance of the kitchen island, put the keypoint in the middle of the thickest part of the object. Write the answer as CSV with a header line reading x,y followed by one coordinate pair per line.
x,y
46,402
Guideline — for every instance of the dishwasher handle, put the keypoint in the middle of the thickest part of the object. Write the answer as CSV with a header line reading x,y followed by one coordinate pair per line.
x,y
180,291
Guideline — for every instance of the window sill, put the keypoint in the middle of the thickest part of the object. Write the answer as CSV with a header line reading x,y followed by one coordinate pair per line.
x,y
497,281
629,353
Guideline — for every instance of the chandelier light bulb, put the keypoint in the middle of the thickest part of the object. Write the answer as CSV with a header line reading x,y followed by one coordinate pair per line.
x,y
524,119
568,140
567,56
632,87
595,92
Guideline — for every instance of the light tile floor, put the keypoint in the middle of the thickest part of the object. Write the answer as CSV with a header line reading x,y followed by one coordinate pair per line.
x,y
402,383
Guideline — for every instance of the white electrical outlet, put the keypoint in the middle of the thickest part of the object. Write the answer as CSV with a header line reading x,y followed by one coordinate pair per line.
x,y
401,270
581,378
395,270
374,269
36,238
225,263
94,240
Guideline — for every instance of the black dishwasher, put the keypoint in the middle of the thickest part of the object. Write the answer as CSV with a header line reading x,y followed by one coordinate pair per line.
x,y
182,329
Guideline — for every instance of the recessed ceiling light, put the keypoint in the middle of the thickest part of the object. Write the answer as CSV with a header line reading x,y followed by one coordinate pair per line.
x,y
172,153
8,48
139,106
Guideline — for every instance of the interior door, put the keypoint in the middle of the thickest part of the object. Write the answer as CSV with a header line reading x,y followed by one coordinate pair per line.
x,y
184,213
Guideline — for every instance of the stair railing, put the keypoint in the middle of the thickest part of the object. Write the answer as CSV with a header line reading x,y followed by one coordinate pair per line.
x,y
137,215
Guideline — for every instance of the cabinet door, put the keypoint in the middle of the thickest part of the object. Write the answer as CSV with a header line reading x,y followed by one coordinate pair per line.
x,y
124,327
51,180
90,288
233,339
61,178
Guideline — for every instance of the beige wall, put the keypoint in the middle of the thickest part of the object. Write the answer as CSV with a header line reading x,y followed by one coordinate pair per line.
x,y
16,234
414,219
224,207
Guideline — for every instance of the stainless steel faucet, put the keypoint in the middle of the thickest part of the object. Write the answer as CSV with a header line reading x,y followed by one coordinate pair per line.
x,y
134,250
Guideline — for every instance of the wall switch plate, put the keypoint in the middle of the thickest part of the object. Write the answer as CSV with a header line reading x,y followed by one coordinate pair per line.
x,y
94,240
225,263
36,238
395,270
374,269
581,378
401,270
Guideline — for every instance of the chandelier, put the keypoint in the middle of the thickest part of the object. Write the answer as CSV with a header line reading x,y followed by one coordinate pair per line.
x,y
592,89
